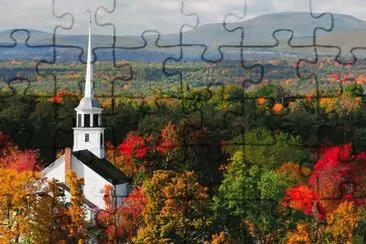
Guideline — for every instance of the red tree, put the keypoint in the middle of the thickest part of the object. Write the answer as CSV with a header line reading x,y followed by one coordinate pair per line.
x,y
147,152
130,213
122,223
59,97
168,139
337,177
13,158
133,146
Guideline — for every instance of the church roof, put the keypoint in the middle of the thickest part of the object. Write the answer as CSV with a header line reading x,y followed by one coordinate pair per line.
x,y
88,103
103,167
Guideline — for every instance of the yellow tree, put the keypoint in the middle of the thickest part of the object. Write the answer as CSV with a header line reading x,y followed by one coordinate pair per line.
x,y
17,196
220,238
49,219
342,222
301,235
176,209
76,227
29,207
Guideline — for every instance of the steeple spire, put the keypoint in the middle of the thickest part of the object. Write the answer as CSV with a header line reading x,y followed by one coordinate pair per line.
x,y
89,68
89,133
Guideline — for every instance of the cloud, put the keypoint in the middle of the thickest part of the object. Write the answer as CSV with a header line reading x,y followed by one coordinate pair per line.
x,y
356,8
135,16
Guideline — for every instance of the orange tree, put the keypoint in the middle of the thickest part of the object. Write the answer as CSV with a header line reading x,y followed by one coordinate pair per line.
x,y
18,194
76,225
30,208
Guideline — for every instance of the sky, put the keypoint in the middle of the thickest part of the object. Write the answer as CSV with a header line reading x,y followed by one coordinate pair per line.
x,y
131,17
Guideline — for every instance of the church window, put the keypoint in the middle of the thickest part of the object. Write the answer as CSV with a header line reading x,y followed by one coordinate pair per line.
x,y
86,137
95,120
86,120
79,120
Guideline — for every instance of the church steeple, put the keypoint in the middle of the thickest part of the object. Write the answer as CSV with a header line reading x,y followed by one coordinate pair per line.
x,y
89,67
88,133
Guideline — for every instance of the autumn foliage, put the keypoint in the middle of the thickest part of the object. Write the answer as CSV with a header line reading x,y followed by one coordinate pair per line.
x,y
137,153
20,160
294,172
130,213
277,108
30,208
220,238
175,208
59,97
134,146
76,212
300,235
120,223
12,157
336,178
17,203
342,222
301,198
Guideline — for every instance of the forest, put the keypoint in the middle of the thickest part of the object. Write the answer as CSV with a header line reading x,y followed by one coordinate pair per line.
x,y
214,158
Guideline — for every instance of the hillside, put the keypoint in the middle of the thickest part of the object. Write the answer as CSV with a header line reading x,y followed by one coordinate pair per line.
x,y
347,32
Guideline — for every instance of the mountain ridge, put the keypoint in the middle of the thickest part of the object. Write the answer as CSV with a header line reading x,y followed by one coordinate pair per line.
x,y
258,33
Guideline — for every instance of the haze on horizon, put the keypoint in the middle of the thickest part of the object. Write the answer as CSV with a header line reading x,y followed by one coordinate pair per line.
x,y
132,17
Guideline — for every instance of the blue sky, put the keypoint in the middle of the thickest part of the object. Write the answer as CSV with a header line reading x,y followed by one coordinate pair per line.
x,y
134,16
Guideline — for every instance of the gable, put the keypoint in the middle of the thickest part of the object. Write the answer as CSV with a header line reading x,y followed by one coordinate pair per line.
x,y
96,173
56,169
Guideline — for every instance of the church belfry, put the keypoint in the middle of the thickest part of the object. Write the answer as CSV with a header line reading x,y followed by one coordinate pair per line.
x,y
88,133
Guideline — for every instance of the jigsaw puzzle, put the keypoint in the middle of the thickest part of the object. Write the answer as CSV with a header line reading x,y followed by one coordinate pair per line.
x,y
185,121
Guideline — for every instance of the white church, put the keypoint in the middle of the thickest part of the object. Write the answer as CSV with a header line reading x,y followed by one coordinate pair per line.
x,y
87,157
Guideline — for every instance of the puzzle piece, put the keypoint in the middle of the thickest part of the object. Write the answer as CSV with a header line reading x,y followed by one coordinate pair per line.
x,y
216,82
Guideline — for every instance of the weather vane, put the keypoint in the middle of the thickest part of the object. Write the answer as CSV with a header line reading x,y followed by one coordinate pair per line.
x,y
89,12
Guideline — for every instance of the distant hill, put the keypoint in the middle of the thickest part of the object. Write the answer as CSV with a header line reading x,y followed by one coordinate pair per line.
x,y
347,32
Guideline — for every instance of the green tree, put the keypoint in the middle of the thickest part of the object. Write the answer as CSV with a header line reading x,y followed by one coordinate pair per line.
x,y
354,90
252,189
269,150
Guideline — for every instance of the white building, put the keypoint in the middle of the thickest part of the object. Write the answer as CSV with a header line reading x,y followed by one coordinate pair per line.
x,y
87,156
